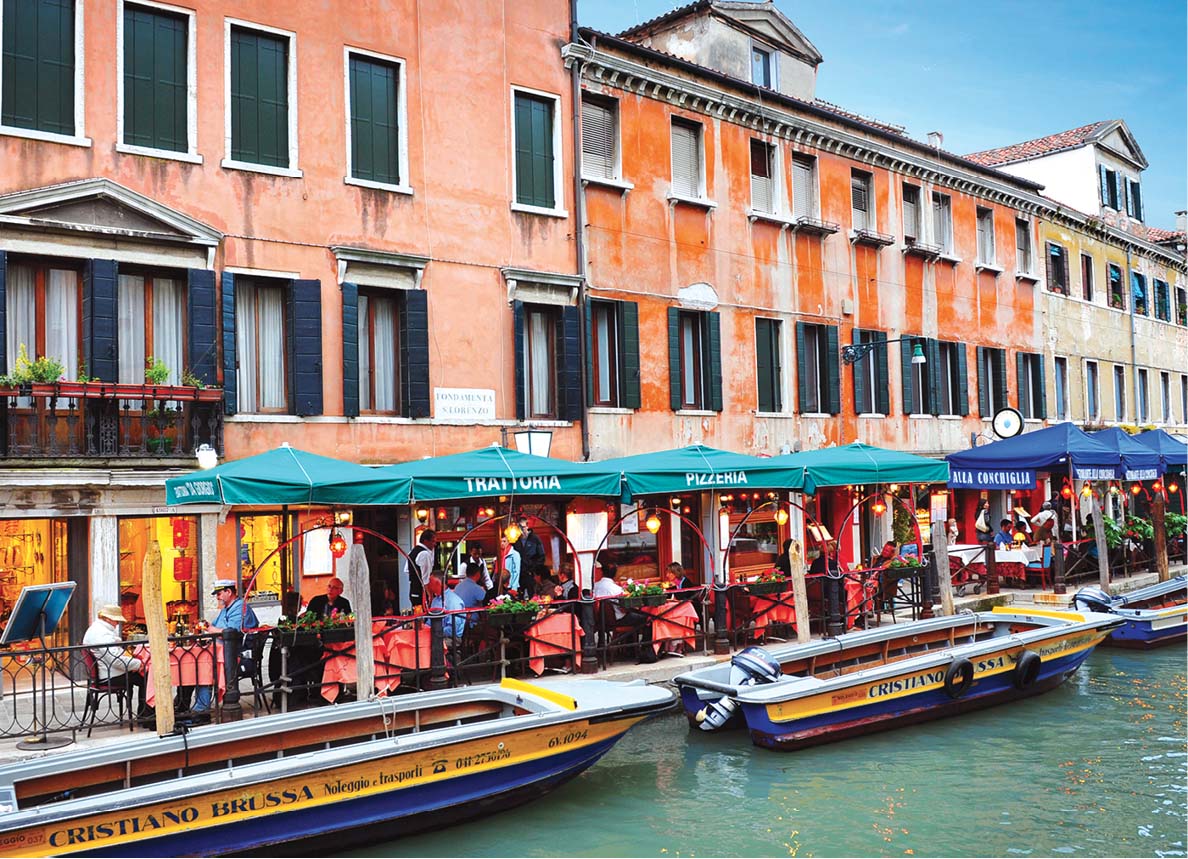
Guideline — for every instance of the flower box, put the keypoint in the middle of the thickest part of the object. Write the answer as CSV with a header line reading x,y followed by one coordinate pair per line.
x,y
296,638
512,619
338,634
770,587
645,599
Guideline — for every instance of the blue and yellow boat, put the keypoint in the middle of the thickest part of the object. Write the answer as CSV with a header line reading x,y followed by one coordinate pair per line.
x,y
355,774
1153,616
804,694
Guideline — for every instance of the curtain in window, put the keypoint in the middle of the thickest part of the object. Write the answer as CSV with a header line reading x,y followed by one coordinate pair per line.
x,y
21,307
385,354
168,301
364,354
130,313
271,339
61,322
539,365
246,345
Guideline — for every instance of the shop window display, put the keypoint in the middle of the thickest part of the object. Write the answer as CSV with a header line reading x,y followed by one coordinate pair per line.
x,y
32,552
177,538
259,537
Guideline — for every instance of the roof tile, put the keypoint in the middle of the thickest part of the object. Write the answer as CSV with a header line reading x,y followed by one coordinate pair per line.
x,y
1034,148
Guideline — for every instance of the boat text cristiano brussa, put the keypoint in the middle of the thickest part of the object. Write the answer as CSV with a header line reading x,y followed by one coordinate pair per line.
x,y
802,694
1152,616
358,773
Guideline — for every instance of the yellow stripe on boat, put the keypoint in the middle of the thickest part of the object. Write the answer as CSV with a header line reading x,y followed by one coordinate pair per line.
x,y
513,685
1041,612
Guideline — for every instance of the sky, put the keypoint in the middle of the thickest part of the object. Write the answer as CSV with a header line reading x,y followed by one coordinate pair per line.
x,y
997,72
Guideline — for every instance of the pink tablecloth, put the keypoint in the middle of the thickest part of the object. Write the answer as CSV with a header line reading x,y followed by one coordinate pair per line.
x,y
774,609
672,622
393,649
189,665
554,635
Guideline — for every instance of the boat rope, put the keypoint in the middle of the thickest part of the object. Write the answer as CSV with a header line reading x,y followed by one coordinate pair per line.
x,y
388,719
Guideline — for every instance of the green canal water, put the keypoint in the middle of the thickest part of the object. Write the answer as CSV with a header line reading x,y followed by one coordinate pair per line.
x,y
1094,768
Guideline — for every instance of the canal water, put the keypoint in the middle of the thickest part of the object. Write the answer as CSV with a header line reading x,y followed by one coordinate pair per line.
x,y
1094,768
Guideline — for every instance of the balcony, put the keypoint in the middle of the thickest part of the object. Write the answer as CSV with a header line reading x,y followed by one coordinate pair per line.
x,y
103,420
871,238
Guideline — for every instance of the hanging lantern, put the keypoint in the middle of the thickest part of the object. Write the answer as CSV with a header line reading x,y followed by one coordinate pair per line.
x,y
181,533
512,532
686,510
1173,488
338,544
183,569
652,523
1157,486
675,501
1086,490
1136,489
422,513
1066,491
879,507
781,516
441,514
1019,536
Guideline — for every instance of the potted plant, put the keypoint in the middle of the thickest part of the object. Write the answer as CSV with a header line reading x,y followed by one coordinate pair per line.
x,y
308,627
768,582
505,611
44,372
636,594
201,391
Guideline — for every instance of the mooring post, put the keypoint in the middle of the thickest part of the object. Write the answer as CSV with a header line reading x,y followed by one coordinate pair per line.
x,y
232,710
437,675
991,569
1058,586
721,641
589,644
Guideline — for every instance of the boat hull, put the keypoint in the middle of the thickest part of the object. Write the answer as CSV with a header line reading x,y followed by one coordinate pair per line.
x,y
1146,633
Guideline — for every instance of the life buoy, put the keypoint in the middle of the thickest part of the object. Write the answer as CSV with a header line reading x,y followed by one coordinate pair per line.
x,y
958,678
1027,669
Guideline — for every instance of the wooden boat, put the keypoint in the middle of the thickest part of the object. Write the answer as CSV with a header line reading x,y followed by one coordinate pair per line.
x,y
803,694
1154,615
357,773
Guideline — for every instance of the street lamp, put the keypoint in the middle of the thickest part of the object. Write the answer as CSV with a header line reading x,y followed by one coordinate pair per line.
x,y
535,442
855,352
208,457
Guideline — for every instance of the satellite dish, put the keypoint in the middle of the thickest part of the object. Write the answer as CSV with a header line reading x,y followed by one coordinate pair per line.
x,y
1007,423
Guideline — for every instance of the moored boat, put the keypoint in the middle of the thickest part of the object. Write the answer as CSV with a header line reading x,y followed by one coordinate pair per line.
x,y
1153,616
804,694
361,772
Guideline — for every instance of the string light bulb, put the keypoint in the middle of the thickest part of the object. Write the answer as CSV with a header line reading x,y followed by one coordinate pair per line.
x,y
338,544
1086,490
781,516
879,507
652,523
512,532
1066,492
1136,489
1173,488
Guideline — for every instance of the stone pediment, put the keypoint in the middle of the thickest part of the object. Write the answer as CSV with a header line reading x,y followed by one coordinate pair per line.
x,y
769,24
1117,139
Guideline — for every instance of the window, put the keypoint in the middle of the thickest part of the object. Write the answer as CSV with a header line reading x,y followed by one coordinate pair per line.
x,y
260,334
40,80
376,152
1138,289
763,188
804,187
1032,395
992,380
692,366
861,204
540,370
1057,269
686,160
942,221
1134,202
157,111
911,213
919,397
1119,392
1023,263
43,308
986,255
1109,187
1165,397
1181,306
151,315
1092,402
262,98
536,142
1144,405
871,389
694,359
614,354
769,371
952,386
379,348
818,369
600,138
1061,372
1086,277
1117,291
761,66
1162,300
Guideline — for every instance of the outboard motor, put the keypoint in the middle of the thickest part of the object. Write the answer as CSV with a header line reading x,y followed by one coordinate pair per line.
x,y
1093,599
753,666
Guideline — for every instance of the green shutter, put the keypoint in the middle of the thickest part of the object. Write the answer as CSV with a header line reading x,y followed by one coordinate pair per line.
x,y
801,374
375,150
1000,376
713,330
962,380
905,373
832,371
534,151
763,364
259,98
1020,371
589,347
155,79
932,374
1043,389
38,65
674,358
983,383
860,381
882,397
629,363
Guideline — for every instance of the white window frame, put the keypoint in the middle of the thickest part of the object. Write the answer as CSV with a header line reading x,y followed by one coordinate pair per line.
x,y
1119,392
1142,396
558,211
773,68
1165,398
872,218
1024,267
945,241
673,196
949,354
616,180
1092,414
1062,410
785,345
191,154
293,170
985,257
401,120
774,167
79,138
917,234
813,208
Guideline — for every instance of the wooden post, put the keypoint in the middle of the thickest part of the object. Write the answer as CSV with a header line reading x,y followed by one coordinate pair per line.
x,y
991,569
1058,585
158,636
358,588
1103,552
799,591
1159,525
944,578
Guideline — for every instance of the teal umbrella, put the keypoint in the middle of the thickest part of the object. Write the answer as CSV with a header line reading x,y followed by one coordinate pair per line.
x,y
862,464
495,470
699,468
287,475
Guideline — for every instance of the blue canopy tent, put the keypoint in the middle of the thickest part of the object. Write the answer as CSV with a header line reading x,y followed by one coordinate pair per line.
x,y
1171,450
1139,461
1013,462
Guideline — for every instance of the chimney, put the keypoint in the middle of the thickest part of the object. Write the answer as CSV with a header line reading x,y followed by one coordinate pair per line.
x,y
1182,222
935,139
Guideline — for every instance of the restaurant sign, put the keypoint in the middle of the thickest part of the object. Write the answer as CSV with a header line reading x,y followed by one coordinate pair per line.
x,y
1141,474
978,478
1093,473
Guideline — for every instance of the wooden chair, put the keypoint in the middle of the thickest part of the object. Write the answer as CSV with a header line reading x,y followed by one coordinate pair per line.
x,y
97,688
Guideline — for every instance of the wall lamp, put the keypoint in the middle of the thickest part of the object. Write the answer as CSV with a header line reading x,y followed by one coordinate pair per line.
x,y
855,352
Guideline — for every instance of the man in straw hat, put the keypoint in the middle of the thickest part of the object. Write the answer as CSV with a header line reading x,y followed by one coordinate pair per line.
x,y
103,640
234,613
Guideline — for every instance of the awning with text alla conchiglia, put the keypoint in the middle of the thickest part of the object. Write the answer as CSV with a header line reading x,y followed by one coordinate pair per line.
x,y
1060,448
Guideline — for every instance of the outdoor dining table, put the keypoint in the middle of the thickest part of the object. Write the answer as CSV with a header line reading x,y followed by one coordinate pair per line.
x,y
673,621
1010,563
554,635
395,647
191,663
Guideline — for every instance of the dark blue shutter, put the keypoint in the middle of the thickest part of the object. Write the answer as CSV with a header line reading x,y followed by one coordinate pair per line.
x,y
202,320
905,372
350,350
962,380
832,371
1021,371
983,384
674,358
1043,388
763,365
99,319
414,354
629,346
518,348
713,326
1000,374
860,377
933,367
230,364
882,394
305,323
801,376
589,337
1104,183
3,314
569,369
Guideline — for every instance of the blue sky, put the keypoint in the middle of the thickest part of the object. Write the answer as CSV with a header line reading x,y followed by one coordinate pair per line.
x,y
998,72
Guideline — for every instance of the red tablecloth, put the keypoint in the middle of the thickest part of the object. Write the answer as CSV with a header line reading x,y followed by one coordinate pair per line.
x,y
556,634
675,620
394,649
189,665
776,608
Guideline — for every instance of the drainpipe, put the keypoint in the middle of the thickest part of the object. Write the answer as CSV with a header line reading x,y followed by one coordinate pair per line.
x,y
579,216
1133,348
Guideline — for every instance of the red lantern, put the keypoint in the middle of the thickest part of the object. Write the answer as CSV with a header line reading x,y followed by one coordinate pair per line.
x,y
1136,489
183,569
1066,492
878,508
181,533
338,544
